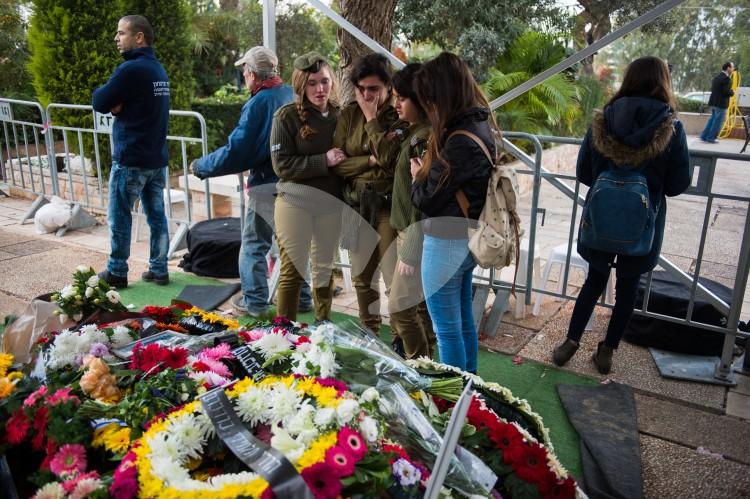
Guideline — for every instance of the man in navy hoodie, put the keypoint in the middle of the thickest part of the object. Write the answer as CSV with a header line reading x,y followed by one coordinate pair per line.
x,y
137,94
248,149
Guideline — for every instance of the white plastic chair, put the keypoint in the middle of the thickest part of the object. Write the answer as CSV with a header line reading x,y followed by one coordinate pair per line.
x,y
558,255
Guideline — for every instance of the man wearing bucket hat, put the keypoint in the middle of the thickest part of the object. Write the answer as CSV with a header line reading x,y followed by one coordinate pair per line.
x,y
248,150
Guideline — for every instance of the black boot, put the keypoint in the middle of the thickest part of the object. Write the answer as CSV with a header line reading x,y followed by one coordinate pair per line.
x,y
603,358
562,353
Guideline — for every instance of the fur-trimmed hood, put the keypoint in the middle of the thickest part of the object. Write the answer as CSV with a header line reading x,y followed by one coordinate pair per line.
x,y
632,130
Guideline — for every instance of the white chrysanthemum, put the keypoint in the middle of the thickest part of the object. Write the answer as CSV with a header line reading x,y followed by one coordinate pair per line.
x,y
327,364
94,335
324,417
208,377
346,411
232,479
64,349
283,401
68,291
299,364
88,329
304,347
369,395
51,490
121,336
163,446
369,428
83,268
301,424
252,406
271,344
113,296
169,470
189,436
89,292
93,281
284,443
205,425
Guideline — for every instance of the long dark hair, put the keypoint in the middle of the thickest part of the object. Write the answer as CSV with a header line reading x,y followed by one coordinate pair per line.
x,y
403,84
647,77
445,88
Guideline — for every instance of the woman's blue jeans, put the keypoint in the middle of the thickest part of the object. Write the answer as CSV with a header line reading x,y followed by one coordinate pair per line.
x,y
447,267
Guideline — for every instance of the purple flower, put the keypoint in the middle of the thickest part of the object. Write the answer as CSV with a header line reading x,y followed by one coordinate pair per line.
x,y
99,350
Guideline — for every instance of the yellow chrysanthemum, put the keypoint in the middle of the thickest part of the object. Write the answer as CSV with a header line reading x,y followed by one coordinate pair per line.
x,y
118,441
317,451
6,387
240,386
6,360
213,318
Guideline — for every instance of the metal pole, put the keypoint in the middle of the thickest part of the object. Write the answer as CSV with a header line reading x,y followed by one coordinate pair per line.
x,y
582,54
724,367
269,24
356,33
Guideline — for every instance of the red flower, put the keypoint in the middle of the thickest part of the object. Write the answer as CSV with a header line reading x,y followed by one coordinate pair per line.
x,y
322,481
340,386
268,494
481,417
302,339
508,439
125,480
176,357
395,449
352,442
159,314
532,468
564,490
340,461
442,404
17,427
40,428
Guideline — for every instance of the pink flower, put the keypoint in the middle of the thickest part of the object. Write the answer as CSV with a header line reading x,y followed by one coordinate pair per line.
x,y
34,397
61,396
352,442
125,480
254,335
85,488
340,386
340,461
213,365
322,481
71,484
70,459
220,351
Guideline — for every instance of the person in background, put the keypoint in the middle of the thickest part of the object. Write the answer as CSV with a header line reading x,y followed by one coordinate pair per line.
x,y
308,205
137,94
248,150
367,133
721,91
410,319
638,128
454,167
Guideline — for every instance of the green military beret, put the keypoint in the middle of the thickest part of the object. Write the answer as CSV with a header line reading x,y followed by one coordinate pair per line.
x,y
309,62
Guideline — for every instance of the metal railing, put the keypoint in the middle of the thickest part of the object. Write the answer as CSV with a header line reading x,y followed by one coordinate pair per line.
x,y
702,168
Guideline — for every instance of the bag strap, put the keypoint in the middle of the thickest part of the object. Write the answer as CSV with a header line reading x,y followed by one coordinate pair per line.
x,y
463,202
476,139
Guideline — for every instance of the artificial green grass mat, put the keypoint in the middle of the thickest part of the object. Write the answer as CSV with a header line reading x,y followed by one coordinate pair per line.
x,y
141,293
530,380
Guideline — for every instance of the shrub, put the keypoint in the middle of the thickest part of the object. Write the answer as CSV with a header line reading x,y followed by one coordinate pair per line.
x,y
690,105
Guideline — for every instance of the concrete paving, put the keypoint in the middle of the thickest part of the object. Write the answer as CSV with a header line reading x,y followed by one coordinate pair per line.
x,y
695,437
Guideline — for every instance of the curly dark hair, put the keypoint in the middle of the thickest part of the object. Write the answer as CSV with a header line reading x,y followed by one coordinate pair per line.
x,y
371,65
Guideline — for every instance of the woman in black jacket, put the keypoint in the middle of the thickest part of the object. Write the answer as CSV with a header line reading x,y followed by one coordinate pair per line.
x,y
453,167
636,129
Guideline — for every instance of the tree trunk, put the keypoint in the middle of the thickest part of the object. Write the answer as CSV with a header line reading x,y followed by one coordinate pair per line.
x,y
375,19
594,24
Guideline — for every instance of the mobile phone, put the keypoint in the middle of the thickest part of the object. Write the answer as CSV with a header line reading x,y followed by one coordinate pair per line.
x,y
417,147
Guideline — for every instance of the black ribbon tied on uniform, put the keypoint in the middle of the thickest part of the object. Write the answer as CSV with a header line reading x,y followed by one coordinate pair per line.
x,y
259,457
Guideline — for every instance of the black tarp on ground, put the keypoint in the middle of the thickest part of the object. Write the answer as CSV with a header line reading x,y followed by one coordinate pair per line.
x,y
605,418
207,297
669,297
213,248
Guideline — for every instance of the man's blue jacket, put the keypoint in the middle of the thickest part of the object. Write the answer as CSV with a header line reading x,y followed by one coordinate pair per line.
x,y
249,145
139,132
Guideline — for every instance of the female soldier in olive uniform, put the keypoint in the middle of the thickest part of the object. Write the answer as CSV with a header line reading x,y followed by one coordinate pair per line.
x,y
367,131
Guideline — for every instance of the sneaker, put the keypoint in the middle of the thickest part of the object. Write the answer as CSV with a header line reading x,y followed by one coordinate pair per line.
x,y
397,346
603,358
114,281
238,304
305,307
161,280
562,354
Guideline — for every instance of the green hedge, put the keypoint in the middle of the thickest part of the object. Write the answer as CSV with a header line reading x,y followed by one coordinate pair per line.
x,y
221,117
690,105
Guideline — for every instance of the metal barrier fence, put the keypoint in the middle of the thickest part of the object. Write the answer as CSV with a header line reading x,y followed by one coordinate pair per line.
x,y
31,163
702,168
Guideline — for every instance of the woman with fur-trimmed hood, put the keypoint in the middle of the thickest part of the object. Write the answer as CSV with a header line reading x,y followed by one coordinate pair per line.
x,y
637,128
